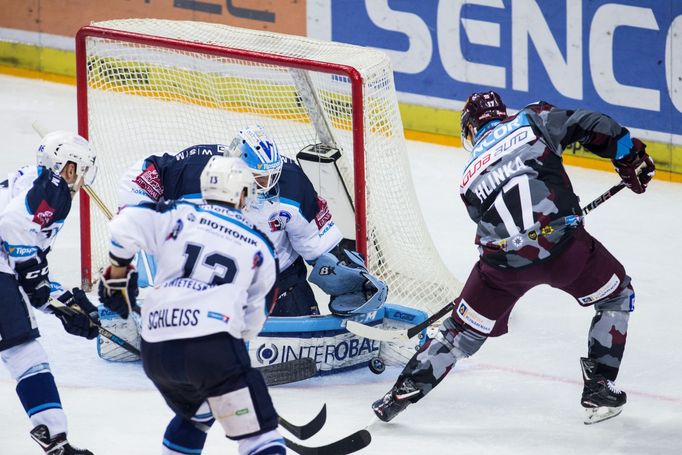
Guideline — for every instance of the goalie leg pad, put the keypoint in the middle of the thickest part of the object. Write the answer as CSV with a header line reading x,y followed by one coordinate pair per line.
x,y
336,277
352,288
127,329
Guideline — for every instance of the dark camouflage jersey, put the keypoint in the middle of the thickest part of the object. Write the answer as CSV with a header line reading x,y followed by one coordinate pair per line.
x,y
515,186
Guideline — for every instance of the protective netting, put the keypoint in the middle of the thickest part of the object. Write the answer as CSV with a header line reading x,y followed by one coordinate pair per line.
x,y
144,98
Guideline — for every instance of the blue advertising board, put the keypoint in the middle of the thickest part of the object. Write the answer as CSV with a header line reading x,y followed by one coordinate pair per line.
x,y
621,57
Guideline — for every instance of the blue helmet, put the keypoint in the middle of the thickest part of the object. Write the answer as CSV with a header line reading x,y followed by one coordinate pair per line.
x,y
261,155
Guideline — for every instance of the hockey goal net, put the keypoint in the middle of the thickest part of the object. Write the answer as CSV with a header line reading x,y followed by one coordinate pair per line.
x,y
147,86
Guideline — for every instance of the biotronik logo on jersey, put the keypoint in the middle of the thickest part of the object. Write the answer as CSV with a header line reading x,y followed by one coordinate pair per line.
x,y
329,353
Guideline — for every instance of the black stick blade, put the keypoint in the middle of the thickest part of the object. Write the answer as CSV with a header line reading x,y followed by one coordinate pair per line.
x,y
350,444
306,431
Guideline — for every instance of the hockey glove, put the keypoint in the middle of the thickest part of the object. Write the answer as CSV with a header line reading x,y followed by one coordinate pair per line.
x,y
119,294
636,169
84,317
33,278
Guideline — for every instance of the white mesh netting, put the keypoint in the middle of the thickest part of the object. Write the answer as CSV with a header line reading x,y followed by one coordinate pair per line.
x,y
144,98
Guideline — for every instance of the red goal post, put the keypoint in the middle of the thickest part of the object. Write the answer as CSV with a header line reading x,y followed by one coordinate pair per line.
x,y
147,86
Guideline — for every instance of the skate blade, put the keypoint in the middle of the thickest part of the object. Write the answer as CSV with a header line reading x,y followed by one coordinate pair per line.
x,y
601,413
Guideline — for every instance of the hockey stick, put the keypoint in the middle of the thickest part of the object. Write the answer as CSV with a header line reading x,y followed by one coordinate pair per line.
x,y
306,431
377,333
603,198
69,310
351,443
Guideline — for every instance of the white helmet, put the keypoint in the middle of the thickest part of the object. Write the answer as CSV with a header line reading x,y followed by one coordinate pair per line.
x,y
60,147
225,179
261,155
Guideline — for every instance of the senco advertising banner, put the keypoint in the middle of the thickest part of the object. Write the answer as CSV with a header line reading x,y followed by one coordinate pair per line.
x,y
620,57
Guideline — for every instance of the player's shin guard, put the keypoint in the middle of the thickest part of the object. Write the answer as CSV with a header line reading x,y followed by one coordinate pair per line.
x,y
37,391
183,437
608,333
428,367
270,443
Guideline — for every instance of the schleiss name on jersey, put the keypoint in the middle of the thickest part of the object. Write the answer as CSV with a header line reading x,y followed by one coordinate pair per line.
x,y
176,317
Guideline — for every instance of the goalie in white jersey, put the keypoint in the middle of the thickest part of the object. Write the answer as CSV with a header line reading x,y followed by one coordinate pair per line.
x,y
214,272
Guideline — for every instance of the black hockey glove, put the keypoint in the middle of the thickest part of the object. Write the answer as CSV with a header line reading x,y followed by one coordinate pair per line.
x,y
636,169
119,294
33,276
81,321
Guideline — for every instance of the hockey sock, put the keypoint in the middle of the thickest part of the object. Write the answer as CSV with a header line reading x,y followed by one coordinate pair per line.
x,y
270,443
40,398
183,437
436,358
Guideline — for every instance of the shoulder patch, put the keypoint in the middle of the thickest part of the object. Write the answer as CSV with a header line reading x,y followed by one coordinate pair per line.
x,y
49,199
150,181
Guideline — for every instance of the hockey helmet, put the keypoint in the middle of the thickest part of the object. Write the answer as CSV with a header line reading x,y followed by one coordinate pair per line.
x,y
58,148
261,155
479,109
226,179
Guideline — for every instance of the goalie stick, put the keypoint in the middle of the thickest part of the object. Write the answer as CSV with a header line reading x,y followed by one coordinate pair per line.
x,y
59,306
350,444
377,333
290,371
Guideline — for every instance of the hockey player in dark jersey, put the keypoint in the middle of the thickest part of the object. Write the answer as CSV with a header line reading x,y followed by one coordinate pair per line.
x,y
530,232
34,203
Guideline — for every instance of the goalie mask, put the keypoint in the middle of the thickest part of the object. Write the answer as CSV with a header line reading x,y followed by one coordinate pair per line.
x,y
478,110
260,154
352,289
226,179
59,148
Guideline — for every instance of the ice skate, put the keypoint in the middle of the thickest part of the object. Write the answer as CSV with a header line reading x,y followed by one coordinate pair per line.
x,y
396,400
601,398
57,445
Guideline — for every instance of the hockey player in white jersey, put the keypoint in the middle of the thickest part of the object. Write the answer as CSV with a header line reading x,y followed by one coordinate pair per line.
x,y
214,271
34,202
288,209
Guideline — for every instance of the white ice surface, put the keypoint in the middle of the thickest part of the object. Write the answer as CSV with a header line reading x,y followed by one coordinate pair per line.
x,y
518,395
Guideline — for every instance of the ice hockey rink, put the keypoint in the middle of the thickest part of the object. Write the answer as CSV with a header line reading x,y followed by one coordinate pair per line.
x,y
519,395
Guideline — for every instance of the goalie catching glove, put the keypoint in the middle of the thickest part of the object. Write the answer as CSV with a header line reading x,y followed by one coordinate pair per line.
x,y
119,294
352,288
81,322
